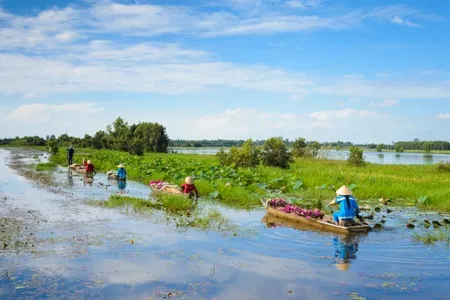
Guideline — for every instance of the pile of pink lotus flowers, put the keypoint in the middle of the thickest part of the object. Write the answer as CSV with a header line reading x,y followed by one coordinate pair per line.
x,y
282,205
158,183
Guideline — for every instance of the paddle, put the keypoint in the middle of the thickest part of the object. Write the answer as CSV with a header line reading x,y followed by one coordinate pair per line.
x,y
357,216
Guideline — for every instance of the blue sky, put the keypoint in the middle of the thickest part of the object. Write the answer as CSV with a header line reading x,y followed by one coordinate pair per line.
x,y
364,71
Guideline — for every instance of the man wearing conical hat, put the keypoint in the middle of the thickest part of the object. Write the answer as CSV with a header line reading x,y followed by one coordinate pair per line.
x,y
348,208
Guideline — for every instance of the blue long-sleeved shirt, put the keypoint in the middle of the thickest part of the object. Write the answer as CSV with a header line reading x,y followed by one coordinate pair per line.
x,y
345,211
121,173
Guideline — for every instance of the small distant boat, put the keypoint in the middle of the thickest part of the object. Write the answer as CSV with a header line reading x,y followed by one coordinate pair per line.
x,y
325,223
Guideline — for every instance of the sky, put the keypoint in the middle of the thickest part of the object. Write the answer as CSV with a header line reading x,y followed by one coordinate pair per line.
x,y
326,70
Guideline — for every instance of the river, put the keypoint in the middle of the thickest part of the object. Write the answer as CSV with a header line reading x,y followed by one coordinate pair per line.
x,y
404,158
84,252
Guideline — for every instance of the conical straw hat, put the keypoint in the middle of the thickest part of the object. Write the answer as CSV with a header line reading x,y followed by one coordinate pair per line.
x,y
342,266
344,191
189,180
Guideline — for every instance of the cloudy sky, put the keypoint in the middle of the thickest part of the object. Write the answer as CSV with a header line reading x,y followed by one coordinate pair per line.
x,y
364,71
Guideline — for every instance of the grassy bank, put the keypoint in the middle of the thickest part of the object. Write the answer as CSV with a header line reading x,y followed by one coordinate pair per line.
x,y
307,178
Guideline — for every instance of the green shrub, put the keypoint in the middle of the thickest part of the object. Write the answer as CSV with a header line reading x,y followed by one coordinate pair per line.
x,y
298,147
244,157
356,157
380,147
276,154
443,166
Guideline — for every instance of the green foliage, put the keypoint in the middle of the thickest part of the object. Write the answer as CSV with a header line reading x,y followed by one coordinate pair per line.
x,y
244,157
443,166
276,154
380,147
398,148
356,157
53,146
136,147
174,203
298,147
426,146
46,166
243,187
312,149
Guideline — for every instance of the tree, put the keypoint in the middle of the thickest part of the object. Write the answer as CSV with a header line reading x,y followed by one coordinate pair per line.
x,y
398,148
53,146
244,157
356,157
313,148
380,147
298,147
275,153
136,147
427,147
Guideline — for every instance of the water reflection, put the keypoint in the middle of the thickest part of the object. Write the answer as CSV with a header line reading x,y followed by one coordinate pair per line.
x,y
345,249
69,178
428,159
122,185
88,181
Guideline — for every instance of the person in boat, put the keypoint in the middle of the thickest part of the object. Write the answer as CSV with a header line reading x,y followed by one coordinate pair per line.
x,y
344,250
121,173
90,169
348,207
70,153
188,187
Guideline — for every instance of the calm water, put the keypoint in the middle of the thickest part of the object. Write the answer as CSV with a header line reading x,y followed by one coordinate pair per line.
x,y
85,252
373,157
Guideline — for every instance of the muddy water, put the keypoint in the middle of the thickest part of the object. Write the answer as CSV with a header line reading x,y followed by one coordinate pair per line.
x,y
78,251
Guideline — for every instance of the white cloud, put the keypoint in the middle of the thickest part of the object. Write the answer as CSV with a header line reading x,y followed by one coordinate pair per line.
x,y
443,116
303,3
398,20
385,103
41,112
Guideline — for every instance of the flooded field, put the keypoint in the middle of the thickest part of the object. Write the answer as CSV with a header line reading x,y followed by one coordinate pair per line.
x,y
57,246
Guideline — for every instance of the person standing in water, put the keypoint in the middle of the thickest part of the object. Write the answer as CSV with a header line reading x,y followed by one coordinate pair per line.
x,y
121,172
70,153
348,207
90,169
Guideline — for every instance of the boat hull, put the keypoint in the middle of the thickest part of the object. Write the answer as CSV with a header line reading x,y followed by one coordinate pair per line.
x,y
319,224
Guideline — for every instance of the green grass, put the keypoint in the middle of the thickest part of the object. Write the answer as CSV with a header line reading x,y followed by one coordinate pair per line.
x,y
441,235
50,166
242,188
174,203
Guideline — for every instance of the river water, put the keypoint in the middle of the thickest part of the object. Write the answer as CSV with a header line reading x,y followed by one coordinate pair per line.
x,y
84,252
372,157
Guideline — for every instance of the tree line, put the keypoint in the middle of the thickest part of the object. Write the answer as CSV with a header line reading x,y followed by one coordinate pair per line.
x,y
135,139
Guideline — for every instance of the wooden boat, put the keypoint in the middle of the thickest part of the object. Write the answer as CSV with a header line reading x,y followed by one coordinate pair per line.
x,y
169,189
325,223
78,168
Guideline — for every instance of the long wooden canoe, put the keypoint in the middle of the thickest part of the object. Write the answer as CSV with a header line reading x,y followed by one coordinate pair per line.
x,y
325,223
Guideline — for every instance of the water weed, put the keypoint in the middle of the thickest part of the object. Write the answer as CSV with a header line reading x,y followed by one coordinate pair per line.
x,y
441,235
